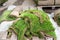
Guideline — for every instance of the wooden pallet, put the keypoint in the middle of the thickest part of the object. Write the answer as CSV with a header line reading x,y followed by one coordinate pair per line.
x,y
49,9
49,2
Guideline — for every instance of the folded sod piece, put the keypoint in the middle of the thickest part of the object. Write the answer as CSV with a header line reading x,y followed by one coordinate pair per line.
x,y
6,16
19,28
33,23
39,22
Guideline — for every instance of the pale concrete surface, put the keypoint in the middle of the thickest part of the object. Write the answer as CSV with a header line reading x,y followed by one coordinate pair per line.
x,y
18,2
36,38
9,2
3,36
28,4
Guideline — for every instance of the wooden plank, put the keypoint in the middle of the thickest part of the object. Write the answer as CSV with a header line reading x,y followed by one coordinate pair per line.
x,y
46,2
57,2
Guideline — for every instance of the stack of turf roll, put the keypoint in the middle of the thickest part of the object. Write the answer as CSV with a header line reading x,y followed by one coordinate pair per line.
x,y
32,22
